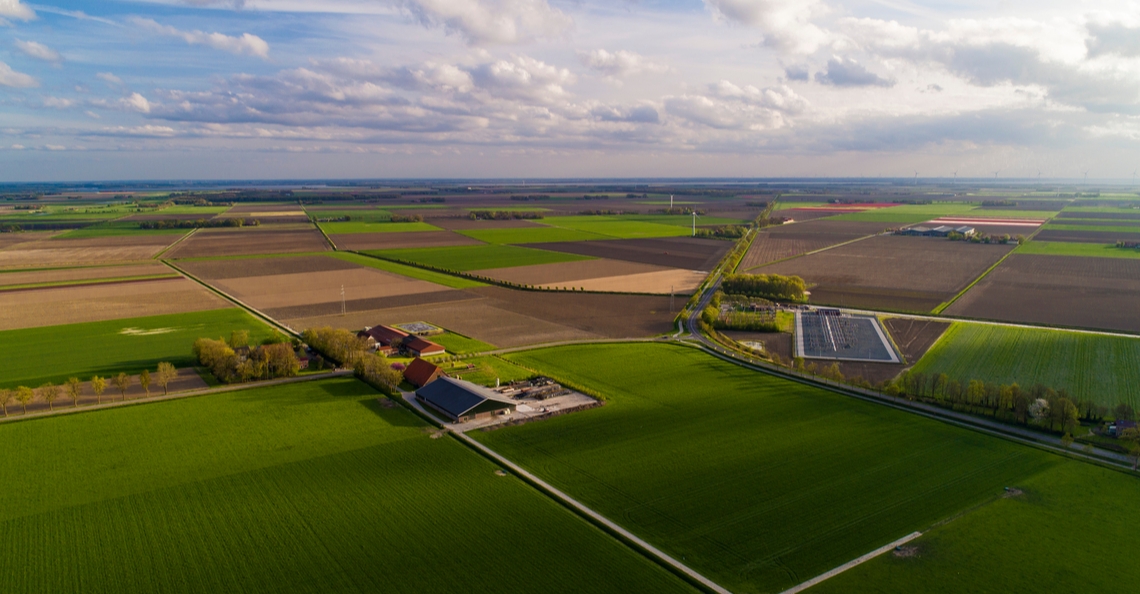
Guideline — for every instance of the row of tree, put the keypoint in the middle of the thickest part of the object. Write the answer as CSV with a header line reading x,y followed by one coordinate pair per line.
x,y
983,238
776,287
73,388
502,215
234,361
198,223
351,350
724,232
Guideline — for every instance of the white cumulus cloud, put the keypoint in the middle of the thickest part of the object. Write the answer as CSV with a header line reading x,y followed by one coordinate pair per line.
x,y
484,22
619,64
14,9
248,44
38,51
19,80
786,24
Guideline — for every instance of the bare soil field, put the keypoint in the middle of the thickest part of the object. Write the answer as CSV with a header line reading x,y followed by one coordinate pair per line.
x,y
11,239
914,337
81,274
673,252
465,224
1057,290
210,243
188,379
1107,236
99,250
353,306
778,343
169,217
891,272
308,288
509,318
662,282
69,305
541,274
1107,216
393,241
212,270
785,241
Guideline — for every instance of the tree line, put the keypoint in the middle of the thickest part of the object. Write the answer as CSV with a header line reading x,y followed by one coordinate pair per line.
x,y
164,375
198,224
351,350
234,361
776,287
502,215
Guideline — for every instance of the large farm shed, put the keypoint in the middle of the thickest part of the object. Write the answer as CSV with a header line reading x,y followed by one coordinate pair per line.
x,y
463,401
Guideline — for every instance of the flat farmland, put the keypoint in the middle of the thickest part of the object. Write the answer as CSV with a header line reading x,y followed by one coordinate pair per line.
x,y
479,257
51,306
673,252
1057,290
355,227
907,213
777,243
602,275
108,347
341,477
1094,215
78,275
463,224
891,272
913,338
622,227
1091,367
102,250
392,241
742,481
1087,250
209,243
531,235
1083,236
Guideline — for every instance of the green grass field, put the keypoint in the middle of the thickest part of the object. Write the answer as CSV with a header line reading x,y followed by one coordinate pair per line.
x,y
757,482
1087,250
489,370
531,235
480,257
622,227
906,213
1102,368
1072,531
1125,227
187,209
54,353
355,216
363,227
306,488
447,280
1013,214
118,229
458,344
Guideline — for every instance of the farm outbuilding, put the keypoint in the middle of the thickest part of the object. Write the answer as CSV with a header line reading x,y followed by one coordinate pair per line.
x,y
381,335
419,347
462,401
421,373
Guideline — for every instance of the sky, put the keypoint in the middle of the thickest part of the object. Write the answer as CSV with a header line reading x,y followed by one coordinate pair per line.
x,y
301,89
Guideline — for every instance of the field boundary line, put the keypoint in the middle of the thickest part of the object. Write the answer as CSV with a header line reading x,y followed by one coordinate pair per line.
x,y
158,256
628,538
173,396
943,307
256,313
321,229
852,563
823,249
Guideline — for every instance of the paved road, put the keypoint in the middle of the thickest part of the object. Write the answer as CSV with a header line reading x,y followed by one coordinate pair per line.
x,y
577,505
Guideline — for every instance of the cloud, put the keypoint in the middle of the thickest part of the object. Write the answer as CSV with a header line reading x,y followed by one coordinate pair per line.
x,y
246,44
619,64
639,114
38,51
523,77
236,4
19,80
842,72
786,24
14,9
109,78
728,106
797,72
486,22
137,103
1115,38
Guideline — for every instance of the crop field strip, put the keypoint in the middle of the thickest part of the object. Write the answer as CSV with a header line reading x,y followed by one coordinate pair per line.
x,y
355,227
111,346
1089,366
385,241
1086,250
728,481
674,252
341,477
63,275
210,242
479,257
786,241
891,272
55,252
1064,291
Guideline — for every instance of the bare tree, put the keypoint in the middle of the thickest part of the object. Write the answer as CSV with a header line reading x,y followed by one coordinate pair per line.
x,y
5,398
144,381
74,390
98,385
122,382
50,393
166,374
24,395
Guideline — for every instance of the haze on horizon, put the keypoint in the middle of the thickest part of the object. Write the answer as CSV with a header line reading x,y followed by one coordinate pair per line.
x,y
276,89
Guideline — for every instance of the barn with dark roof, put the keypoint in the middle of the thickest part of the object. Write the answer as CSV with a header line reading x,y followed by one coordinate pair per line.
x,y
462,401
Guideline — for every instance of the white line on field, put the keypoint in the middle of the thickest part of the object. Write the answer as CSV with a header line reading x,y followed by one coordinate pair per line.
x,y
850,564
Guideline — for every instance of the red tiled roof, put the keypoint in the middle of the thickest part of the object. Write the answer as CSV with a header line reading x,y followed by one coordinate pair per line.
x,y
415,343
421,373
385,335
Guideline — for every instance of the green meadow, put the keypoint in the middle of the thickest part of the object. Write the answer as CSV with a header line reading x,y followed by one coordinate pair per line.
x,y
376,227
54,353
303,488
1088,250
479,257
532,235
1089,366
759,483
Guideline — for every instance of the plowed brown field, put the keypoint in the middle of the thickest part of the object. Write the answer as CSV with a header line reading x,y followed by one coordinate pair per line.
x,y
101,250
1106,236
248,241
686,253
785,241
82,274
393,241
541,274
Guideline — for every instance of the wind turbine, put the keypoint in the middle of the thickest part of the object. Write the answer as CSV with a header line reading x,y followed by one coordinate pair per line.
x,y
996,172
916,178
1086,176
670,202
1133,178
695,217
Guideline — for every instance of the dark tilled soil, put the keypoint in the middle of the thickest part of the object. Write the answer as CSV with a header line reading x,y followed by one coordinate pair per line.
x,y
359,305
1106,236
465,224
785,241
891,272
223,269
1108,224
249,242
612,316
1108,216
395,241
676,252
915,337
1058,290
778,343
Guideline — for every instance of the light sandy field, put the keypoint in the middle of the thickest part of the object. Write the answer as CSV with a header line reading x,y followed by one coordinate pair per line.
x,y
562,272
69,305
81,274
102,250
661,282
286,290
